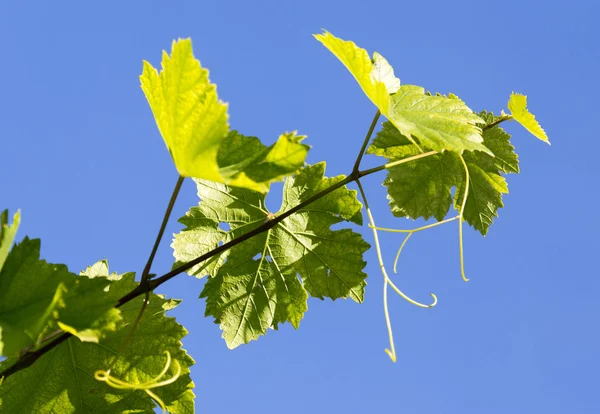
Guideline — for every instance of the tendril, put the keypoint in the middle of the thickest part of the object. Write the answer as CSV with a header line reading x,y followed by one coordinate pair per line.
x,y
391,352
400,250
104,376
460,219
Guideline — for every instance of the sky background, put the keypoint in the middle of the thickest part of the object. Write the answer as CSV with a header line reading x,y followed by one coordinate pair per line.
x,y
82,158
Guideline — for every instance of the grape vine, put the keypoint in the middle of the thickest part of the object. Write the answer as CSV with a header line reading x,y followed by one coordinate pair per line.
x,y
107,339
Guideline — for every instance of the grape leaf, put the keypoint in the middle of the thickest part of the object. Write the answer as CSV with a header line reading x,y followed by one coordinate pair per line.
x,y
31,292
486,183
89,311
187,110
517,104
62,381
193,123
423,188
246,162
498,141
37,297
255,284
7,235
438,122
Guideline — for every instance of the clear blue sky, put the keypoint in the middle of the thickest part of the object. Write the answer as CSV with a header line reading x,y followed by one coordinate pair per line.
x,y
81,156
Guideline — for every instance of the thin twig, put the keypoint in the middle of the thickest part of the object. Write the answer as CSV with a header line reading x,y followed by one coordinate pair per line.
x,y
161,231
366,142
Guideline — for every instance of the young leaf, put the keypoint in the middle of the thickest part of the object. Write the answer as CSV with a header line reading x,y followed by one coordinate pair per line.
x,y
255,285
193,124
517,104
358,62
187,110
62,381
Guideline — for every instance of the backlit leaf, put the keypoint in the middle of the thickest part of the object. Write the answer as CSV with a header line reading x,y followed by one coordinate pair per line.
x,y
62,381
517,104
255,285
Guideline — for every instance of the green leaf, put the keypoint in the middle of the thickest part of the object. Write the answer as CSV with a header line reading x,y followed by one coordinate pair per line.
x,y
438,122
358,62
31,293
187,110
89,311
246,162
517,104
423,188
498,141
37,298
7,235
487,185
420,188
255,285
62,380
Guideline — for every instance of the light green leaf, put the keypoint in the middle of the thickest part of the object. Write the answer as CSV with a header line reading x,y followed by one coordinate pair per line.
x,y
357,61
255,284
100,268
438,122
517,104
187,110
391,144
62,381
246,162
7,235
193,124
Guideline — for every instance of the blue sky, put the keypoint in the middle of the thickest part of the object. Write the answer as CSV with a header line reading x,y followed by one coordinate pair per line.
x,y
82,158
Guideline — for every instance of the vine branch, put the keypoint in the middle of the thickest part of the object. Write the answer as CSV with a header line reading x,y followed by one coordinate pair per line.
x,y
28,358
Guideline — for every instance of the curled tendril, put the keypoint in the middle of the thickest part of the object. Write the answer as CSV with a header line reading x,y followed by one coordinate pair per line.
x,y
104,376
386,281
